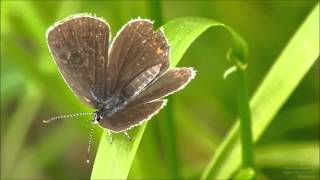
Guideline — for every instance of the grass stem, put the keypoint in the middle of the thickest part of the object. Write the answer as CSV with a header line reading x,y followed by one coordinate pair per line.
x,y
245,119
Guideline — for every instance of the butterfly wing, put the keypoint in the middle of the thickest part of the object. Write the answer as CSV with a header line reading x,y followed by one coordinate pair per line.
x,y
139,83
131,116
173,80
79,45
135,50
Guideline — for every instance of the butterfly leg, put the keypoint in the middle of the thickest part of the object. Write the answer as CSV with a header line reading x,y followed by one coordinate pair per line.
x,y
127,135
94,96
110,136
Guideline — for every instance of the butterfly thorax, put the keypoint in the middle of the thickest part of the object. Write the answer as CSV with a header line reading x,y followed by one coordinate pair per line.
x,y
111,105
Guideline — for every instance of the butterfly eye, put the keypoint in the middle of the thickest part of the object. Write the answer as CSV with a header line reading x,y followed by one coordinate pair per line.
x,y
96,117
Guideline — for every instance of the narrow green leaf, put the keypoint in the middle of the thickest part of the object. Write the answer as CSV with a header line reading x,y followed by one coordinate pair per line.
x,y
289,69
182,32
113,161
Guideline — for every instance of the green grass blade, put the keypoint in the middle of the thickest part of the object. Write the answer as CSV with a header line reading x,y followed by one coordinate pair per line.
x,y
113,161
294,62
182,32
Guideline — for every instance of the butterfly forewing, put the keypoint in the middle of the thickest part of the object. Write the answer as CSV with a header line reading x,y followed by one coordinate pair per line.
x,y
79,46
136,48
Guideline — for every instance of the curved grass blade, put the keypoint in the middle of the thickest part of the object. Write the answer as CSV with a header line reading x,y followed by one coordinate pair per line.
x,y
113,161
294,62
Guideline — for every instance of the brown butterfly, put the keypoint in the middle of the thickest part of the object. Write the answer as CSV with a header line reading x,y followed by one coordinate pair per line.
x,y
126,82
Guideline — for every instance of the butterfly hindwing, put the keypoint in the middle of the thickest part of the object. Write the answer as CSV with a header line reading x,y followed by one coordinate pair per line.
x,y
139,83
131,116
171,81
79,46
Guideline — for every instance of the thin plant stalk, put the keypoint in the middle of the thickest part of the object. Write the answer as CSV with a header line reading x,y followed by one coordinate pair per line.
x,y
239,69
245,119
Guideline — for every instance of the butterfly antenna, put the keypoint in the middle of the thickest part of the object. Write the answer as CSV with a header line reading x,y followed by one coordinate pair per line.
x,y
90,141
66,116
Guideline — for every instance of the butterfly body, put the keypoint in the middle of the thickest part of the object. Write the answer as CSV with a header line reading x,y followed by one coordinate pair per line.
x,y
111,105
124,81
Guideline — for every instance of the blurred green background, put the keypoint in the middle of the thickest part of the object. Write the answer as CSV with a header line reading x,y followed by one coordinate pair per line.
x,y
33,90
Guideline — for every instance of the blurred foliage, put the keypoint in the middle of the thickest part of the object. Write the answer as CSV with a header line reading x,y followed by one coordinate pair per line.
x,y
32,90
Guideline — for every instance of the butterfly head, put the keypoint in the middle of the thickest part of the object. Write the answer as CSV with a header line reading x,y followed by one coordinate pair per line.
x,y
96,117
